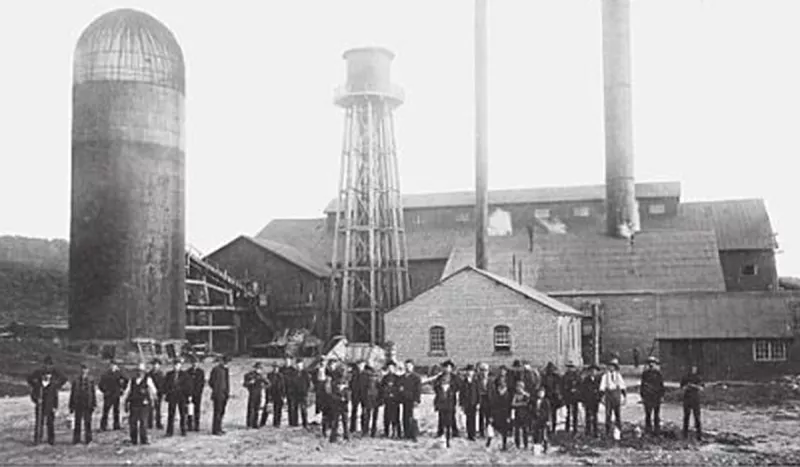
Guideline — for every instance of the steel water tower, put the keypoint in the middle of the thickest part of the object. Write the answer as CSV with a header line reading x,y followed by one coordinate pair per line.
x,y
370,265
126,262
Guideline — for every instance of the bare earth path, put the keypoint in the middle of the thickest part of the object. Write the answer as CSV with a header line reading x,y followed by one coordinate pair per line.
x,y
768,436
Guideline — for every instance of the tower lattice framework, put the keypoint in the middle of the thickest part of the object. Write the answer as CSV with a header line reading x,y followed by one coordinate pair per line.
x,y
370,265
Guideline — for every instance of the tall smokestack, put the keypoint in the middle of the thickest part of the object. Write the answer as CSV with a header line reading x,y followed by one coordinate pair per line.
x,y
481,136
622,212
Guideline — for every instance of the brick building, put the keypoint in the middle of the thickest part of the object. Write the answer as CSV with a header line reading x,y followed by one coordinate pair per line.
x,y
474,315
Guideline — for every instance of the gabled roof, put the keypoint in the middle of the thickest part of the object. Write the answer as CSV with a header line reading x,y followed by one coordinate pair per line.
x,y
530,195
527,292
287,252
730,315
657,261
741,224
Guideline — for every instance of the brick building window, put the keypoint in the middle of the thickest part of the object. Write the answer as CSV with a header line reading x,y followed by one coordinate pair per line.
x,y
769,351
656,209
502,339
749,270
436,336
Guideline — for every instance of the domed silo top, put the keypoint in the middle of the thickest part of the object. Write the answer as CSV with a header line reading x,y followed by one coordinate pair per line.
x,y
368,70
129,45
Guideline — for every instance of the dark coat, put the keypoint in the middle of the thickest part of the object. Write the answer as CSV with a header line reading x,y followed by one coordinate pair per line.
x,y
50,397
691,392
112,384
198,377
500,407
255,383
390,388
540,412
552,387
521,405
340,393
571,387
590,390
220,382
372,393
358,384
445,400
469,393
177,386
652,385
277,386
410,387
532,380
83,395
158,380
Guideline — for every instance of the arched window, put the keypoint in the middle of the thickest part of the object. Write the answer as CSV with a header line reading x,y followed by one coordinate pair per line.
x,y
436,334
502,339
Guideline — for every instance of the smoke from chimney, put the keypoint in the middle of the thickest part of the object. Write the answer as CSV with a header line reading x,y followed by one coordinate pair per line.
x,y
622,211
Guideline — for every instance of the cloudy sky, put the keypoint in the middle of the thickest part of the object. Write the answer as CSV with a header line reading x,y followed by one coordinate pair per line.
x,y
716,88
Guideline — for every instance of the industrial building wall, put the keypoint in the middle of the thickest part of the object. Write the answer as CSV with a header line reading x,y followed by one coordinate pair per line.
x,y
721,359
735,265
291,289
469,306
424,274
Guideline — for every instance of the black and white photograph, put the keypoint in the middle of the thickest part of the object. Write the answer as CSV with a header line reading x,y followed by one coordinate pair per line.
x,y
275,232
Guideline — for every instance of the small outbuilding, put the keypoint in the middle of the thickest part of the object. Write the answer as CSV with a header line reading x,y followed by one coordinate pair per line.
x,y
728,336
473,315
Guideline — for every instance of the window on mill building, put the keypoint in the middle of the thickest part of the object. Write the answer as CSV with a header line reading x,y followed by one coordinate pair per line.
x,y
502,339
437,343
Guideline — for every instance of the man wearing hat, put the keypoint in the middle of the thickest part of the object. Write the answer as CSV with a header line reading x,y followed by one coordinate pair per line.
x,y
177,389
484,407
612,386
139,396
591,396
297,394
198,382
82,402
45,383
255,383
571,384
445,389
469,398
410,395
358,387
112,383
219,382
390,389
277,393
652,392
157,376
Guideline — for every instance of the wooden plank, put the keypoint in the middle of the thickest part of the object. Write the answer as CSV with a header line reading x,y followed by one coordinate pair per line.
x,y
214,308
210,328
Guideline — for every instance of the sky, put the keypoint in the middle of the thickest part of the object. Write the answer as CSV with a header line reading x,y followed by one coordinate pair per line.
x,y
716,102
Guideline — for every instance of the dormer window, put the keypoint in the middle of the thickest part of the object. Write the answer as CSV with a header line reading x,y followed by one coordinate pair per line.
x,y
749,270
657,209
542,213
580,211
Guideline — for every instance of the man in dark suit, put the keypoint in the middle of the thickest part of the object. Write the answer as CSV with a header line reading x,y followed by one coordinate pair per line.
x,y
139,398
45,383
277,392
220,383
469,398
410,394
82,402
177,388
112,383
255,383
157,376
198,378
297,394
358,386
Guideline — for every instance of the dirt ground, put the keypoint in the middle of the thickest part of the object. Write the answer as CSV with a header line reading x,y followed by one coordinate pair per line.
x,y
735,437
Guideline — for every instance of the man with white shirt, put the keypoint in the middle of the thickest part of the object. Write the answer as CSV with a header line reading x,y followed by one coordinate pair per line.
x,y
139,397
612,388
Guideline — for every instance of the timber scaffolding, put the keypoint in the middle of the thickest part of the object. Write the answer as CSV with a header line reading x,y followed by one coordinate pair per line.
x,y
215,304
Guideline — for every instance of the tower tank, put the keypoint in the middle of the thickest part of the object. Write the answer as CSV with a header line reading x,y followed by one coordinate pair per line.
x,y
126,264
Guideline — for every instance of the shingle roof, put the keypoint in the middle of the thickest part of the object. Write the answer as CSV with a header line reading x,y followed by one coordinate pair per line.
x,y
657,261
530,195
287,252
741,224
525,291
730,315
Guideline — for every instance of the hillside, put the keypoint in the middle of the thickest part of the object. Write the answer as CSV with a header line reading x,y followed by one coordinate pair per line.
x,y
33,280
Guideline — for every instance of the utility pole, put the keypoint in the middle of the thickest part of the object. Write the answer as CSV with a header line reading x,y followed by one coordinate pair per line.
x,y
481,136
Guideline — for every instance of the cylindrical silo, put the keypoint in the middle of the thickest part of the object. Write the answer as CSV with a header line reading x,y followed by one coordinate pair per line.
x,y
126,265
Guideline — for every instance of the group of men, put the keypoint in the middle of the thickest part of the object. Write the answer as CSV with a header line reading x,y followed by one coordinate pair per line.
x,y
141,396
